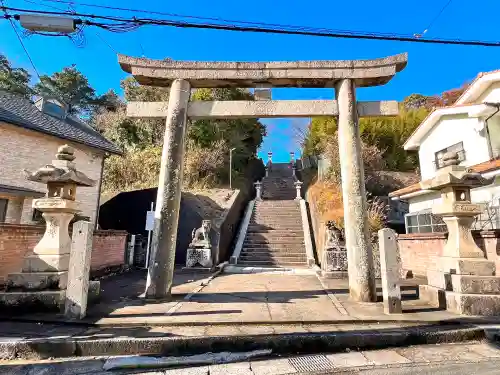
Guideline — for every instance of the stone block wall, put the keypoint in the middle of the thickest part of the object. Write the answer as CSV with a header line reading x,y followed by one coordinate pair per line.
x,y
420,251
16,240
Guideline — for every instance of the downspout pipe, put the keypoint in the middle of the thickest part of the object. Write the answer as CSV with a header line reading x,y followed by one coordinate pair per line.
x,y
99,188
497,106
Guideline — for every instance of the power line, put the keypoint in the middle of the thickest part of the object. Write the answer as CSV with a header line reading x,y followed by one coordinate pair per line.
x,y
177,15
122,24
437,16
20,40
105,42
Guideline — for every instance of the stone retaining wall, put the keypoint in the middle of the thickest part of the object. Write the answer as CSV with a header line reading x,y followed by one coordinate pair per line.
x,y
16,240
420,251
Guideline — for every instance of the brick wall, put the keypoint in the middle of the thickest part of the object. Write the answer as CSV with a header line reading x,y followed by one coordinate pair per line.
x,y
420,251
25,149
18,240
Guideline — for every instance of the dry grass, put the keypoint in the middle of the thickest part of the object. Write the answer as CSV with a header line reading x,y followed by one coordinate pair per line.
x,y
328,197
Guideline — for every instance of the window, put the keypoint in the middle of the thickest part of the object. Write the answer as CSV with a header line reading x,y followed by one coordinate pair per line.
x,y
37,216
424,222
457,147
3,209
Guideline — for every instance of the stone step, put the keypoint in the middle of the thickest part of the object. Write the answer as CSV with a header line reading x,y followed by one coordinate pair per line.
x,y
41,300
272,241
274,208
286,204
471,284
473,304
277,231
274,246
255,263
277,216
37,280
287,225
272,251
276,259
271,211
257,228
271,255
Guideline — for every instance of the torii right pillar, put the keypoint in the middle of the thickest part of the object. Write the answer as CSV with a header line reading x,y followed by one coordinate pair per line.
x,y
359,251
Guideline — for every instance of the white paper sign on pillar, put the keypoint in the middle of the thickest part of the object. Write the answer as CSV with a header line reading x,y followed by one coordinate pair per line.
x,y
150,220
150,223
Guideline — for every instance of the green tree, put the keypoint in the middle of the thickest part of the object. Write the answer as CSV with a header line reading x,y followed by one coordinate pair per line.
x,y
208,141
14,80
72,88
387,134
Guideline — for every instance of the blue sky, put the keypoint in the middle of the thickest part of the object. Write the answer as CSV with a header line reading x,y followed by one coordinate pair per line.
x,y
431,68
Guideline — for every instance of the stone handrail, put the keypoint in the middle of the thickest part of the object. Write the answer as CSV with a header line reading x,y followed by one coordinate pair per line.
x,y
307,234
242,232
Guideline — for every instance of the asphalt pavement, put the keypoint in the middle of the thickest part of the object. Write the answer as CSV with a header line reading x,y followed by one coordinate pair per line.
x,y
455,359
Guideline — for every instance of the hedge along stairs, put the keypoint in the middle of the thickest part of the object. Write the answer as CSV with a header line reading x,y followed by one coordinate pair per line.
x,y
275,236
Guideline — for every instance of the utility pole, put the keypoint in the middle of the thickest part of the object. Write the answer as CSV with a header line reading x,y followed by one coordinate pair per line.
x,y
231,167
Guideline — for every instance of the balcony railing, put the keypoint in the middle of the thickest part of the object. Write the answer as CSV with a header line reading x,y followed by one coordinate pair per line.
x,y
439,162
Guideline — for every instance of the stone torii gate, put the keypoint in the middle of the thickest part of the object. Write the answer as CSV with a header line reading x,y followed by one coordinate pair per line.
x,y
182,76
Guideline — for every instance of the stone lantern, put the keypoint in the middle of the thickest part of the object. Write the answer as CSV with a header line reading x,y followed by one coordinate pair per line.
x,y
59,206
463,281
44,273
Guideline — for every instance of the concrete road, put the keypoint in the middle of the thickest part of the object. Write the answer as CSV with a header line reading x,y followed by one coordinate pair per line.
x,y
454,359
481,368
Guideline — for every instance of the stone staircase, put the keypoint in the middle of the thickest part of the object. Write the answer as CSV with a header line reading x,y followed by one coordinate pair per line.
x,y
275,236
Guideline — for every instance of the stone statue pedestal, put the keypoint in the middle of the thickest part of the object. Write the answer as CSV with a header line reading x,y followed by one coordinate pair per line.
x,y
463,281
334,258
201,256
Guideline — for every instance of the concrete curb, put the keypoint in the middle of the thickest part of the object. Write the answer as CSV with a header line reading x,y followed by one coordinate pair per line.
x,y
90,324
279,344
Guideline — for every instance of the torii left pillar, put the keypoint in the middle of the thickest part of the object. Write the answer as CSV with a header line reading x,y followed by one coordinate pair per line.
x,y
161,269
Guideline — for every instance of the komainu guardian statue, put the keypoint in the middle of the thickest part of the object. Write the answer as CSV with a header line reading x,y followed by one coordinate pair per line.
x,y
200,248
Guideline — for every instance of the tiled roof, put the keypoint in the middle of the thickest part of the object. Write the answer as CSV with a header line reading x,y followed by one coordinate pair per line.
x,y
19,111
484,167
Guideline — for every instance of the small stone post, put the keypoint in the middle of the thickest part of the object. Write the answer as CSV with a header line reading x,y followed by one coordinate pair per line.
x,y
131,250
293,171
161,269
390,271
292,157
258,190
269,157
360,261
75,306
298,186
267,171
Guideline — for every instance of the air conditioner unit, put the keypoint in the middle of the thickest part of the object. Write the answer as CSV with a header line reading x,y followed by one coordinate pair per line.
x,y
34,22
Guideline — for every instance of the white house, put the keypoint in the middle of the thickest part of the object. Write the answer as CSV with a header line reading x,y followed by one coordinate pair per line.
x,y
471,127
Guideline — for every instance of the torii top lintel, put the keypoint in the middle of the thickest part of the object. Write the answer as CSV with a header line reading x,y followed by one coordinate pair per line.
x,y
253,74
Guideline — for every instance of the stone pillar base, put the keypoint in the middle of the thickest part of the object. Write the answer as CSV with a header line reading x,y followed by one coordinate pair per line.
x,y
37,301
473,304
38,280
474,292
45,263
